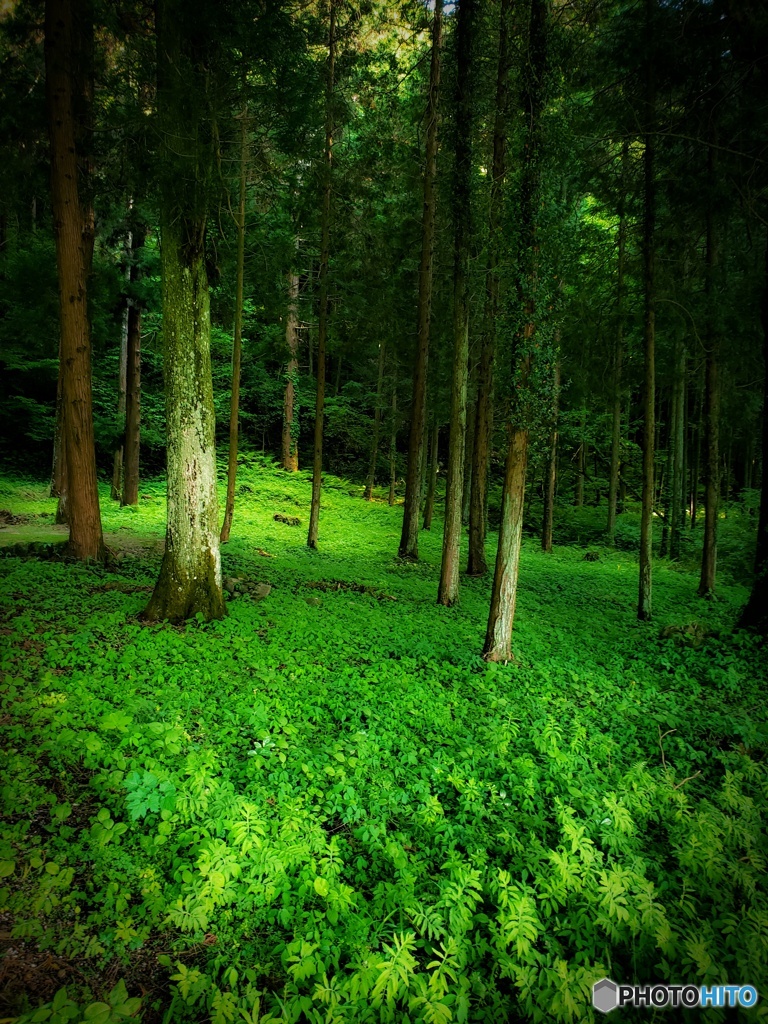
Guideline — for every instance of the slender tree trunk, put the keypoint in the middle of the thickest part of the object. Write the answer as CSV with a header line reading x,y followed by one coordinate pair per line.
x,y
237,341
376,426
429,504
393,439
664,497
409,539
755,614
711,407
618,355
696,469
190,575
122,383
581,464
644,601
550,476
478,517
133,383
325,253
448,589
73,229
469,449
678,442
498,640
290,440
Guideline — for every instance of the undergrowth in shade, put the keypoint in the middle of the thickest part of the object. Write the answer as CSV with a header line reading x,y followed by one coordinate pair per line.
x,y
326,807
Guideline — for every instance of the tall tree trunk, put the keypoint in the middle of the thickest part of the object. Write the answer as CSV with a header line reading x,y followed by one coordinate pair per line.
x,y
550,476
325,254
478,512
237,341
290,440
755,614
409,539
376,425
581,463
678,443
393,439
133,382
66,24
618,355
190,575
711,404
448,588
696,468
429,504
644,600
122,377
498,639
469,449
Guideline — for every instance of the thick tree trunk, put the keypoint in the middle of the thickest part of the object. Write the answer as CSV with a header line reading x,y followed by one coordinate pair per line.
x,y
325,254
550,476
237,341
290,440
618,355
478,512
755,614
190,575
644,600
409,538
376,426
678,441
711,408
448,588
133,384
65,26
429,504
393,440
498,640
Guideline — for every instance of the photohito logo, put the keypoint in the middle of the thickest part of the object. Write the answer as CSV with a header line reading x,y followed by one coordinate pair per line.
x,y
607,995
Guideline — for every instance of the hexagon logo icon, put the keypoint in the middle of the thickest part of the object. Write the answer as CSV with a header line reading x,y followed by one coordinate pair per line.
x,y
605,995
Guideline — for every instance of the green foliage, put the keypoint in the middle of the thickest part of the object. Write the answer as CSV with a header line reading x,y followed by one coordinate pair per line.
x,y
326,807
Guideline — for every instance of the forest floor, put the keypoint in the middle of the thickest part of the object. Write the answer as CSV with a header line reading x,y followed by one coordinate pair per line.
x,y
327,807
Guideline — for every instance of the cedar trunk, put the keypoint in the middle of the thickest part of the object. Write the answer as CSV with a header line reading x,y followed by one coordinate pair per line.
x,y
476,562
325,251
448,588
711,409
290,440
429,504
133,386
409,538
618,354
376,426
237,341
73,229
678,444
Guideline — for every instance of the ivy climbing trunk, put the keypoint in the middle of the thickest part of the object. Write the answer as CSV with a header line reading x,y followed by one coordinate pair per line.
x,y
67,23
498,638
409,538
290,453
478,512
644,599
376,426
325,250
190,575
448,588
237,341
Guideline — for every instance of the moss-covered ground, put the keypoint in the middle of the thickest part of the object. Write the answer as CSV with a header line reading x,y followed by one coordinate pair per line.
x,y
326,807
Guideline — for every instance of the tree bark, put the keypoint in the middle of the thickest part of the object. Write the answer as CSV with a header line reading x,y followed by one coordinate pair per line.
x,y
133,383
498,639
448,588
190,575
429,504
122,380
550,477
478,512
678,442
755,614
409,539
581,465
65,25
393,439
237,341
644,600
290,440
618,355
325,251
376,426
469,448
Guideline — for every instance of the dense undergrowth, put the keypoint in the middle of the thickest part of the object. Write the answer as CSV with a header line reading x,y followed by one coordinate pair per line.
x,y
327,808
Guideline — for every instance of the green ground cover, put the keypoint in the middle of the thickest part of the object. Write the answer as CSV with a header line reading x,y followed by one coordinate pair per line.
x,y
327,808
